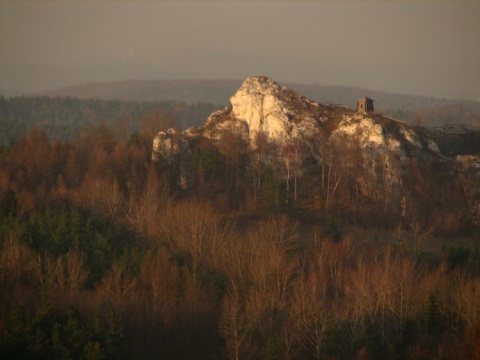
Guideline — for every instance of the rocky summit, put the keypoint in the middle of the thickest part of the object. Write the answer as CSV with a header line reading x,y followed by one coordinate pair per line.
x,y
365,157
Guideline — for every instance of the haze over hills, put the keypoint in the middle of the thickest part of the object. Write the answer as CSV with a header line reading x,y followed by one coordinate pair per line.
x,y
210,91
430,110
266,219
294,220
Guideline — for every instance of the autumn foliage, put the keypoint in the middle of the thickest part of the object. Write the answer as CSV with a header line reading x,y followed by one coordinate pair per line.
x,y
102,256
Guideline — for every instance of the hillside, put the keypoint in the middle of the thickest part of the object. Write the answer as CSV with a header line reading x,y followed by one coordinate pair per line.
x,y
210,91
431,111
361,166
280,228
65,117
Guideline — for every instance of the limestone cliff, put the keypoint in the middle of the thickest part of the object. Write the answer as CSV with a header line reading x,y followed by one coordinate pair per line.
x,y
382,158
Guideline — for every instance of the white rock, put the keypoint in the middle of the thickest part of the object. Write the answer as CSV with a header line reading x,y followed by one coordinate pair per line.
x,y
363,129
257,103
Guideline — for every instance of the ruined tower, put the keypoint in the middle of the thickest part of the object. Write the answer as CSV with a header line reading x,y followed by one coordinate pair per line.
x,y
364,105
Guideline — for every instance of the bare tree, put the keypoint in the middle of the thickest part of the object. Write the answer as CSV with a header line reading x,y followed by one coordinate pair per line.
x,y
155,121
294,154
16,259
118,285
310,311
233,146
144,208
236,322
257,155
76,271
194,228
467,304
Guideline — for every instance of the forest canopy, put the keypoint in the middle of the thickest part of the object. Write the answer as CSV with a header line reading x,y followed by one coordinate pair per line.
x,y
103,256
66,117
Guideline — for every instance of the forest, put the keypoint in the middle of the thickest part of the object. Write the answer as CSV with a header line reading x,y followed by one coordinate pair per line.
x,y
104,256
430,111
66,117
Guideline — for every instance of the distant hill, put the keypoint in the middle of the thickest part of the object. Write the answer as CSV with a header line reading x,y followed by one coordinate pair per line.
x,y
64,117
428,110
190,91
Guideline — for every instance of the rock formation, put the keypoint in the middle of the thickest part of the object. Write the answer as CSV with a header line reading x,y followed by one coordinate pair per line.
x,y
381,157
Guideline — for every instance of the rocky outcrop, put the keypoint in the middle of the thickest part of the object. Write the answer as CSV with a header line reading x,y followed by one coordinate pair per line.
x,y
276,111
375,151
262,106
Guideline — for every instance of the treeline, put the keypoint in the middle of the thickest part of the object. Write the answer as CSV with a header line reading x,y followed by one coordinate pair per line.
x,y
431,111
66,117
103,257
341,183
438,114
411,108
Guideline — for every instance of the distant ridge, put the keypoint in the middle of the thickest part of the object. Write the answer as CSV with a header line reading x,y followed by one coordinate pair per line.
x,y
209,91
213,91
431,111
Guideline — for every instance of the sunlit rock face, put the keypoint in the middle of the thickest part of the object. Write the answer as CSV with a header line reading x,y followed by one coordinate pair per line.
x,y
169,144
264,107
260,106
290,121
377,150
258,103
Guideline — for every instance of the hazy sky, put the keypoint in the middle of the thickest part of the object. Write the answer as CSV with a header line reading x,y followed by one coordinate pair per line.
x,y
417,47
